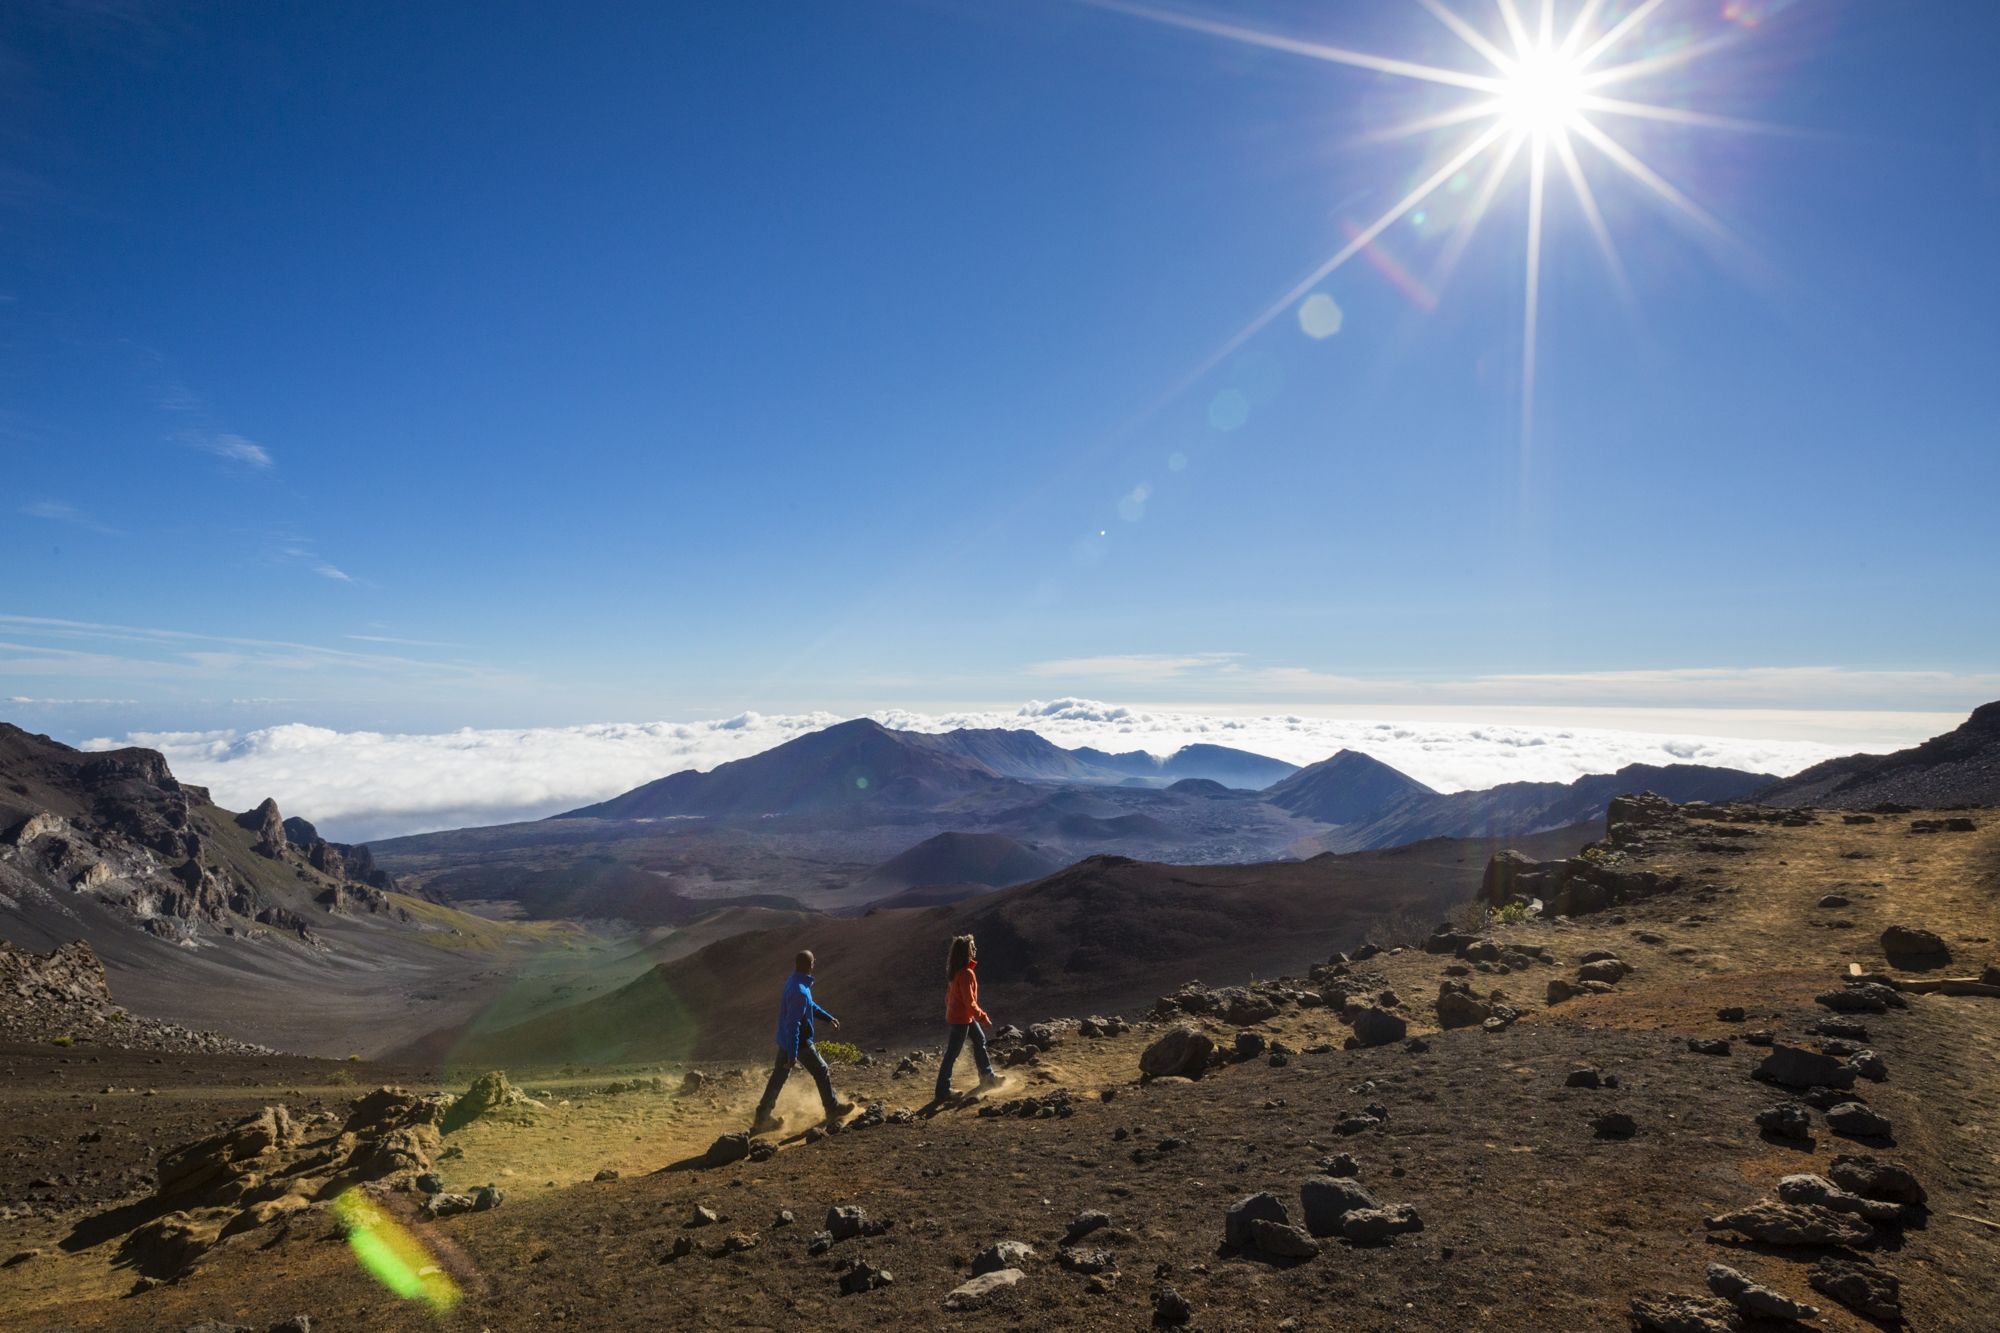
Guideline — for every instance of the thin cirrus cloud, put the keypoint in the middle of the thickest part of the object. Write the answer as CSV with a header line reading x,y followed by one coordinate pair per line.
x,y
143,656
58,511
1230,676
362,784
230,447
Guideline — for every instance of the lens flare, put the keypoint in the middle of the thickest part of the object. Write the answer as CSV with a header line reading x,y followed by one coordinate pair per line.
x,y
388,1252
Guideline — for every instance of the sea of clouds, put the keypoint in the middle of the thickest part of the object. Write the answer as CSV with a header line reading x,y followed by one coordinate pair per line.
x,y
358,785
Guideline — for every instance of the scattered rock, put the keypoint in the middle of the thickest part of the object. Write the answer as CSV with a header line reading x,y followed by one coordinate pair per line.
x,y
1754,1299
1807,1188
1237,1232
864,1277
1611,970
1084,1223
1858,1121
703,1216
1005,1254
1614,1125
1281,1240
1371,1226
1873,1179
608,1173
1708,1045
1183,1052
726,1149
1913,942
1375,1026
1584,1076
1873,1292
1170,1308
1732,1014
844,1221
1787,1120
490,1094
983,1287
1327,1200
1796,1067
1792,1224
1685,1314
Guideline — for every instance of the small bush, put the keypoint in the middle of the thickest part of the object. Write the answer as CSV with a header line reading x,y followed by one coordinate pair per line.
x,y
1513,914
64,1040
840,1052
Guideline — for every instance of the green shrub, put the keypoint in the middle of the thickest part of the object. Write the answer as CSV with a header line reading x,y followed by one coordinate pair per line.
x,y
840,1052
64,1040
1513,914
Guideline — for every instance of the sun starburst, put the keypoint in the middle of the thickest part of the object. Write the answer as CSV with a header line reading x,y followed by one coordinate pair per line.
x,y
1541,89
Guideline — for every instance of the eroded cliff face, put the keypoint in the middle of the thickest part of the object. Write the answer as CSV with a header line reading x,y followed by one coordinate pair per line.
x,y
118,827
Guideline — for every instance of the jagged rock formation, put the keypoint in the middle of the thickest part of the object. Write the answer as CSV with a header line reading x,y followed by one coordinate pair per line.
x,y
274,1164
117,826
62,997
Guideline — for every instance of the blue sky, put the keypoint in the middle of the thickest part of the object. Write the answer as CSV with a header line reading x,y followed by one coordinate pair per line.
x,y
418,367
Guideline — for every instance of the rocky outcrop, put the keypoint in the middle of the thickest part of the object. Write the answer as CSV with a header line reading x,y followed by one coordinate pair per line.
x,y
62,997
274,1164
1597,878
269,826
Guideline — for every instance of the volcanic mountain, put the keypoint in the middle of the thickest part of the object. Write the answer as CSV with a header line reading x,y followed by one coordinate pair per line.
x,y
853,766
989,859
1516,809
1349,788
1105,934
1214,763
1961,767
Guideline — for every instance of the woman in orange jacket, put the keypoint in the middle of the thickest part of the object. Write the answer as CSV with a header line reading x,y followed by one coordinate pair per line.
x,y
962,1011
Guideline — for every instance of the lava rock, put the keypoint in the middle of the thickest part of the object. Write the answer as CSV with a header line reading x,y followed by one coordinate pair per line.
x,y
1873,1292
982,1288
1753,1298
1858,1121
1792,1224
1787,1120
1183,1052
1327,1200
1237,1232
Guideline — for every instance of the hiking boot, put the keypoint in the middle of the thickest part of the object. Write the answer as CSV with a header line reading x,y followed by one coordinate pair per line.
x,y
767,1123
836,1109
988,1081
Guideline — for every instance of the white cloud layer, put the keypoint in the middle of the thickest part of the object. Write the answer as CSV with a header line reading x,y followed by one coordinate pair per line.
x,y
357,784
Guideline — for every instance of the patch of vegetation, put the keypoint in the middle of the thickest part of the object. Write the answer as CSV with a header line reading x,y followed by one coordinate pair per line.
x,y
64,1040
840,1052
1513,914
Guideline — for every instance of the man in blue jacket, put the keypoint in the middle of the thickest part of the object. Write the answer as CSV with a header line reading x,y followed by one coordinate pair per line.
x,y
796,1011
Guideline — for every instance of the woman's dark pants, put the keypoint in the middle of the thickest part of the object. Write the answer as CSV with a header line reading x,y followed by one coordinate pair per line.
x,y
956,1043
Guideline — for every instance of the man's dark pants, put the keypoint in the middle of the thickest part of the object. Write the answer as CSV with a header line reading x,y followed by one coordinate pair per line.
x,y
815,1064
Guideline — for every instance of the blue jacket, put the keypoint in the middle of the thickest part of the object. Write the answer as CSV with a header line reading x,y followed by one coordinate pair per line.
x,y
795,1010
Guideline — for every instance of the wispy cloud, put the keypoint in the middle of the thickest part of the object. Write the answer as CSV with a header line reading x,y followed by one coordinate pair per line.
x,y
229,447
43,646
391,639
1135,668
334,572
57,511
1216,676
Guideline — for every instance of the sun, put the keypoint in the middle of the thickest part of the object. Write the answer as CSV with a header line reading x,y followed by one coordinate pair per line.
x,y
1543,92
1537,96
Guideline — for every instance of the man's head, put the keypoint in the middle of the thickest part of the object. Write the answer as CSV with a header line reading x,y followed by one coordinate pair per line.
x,y
804,962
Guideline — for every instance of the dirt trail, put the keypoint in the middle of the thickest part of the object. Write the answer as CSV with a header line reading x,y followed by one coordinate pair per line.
x,y
1531,1220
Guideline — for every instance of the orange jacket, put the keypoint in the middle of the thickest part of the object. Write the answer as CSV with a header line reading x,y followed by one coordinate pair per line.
x,y
961,998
